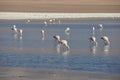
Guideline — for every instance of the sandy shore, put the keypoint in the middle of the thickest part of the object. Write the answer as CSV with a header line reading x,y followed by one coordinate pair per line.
x,y
27,15
67,6
44,74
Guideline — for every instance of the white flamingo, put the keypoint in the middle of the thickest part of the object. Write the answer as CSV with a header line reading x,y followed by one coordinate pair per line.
x,y
14,29
20,31
64,42
93,39
67,29
93,30
50,20
28,21
101,27
106,40
56,37
45,22
43,34
59,22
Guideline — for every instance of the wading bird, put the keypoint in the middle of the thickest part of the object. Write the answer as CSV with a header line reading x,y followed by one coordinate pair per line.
x,y
45,23
106,40
101,27
93,30
14,29
67,31
63,42
20,31
56,37
93,39
43,34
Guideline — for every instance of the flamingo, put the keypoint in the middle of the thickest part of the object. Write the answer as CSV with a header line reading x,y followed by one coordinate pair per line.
x,y
45,22
67,29
101,27
20,31
106,40
56,37
14,29
43,33
28,21
64,42
93,39
93,30
59,21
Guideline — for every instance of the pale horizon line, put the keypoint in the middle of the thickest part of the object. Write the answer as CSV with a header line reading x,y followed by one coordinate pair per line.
x,y
45,15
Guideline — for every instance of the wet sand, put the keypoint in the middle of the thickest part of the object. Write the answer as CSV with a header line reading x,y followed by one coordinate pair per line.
x,y
67,6
47,74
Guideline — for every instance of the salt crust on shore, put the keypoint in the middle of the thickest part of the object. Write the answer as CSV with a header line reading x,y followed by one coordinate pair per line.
x,y
28,15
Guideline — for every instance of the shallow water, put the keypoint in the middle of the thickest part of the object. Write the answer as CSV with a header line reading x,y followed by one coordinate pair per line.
x,y
31,50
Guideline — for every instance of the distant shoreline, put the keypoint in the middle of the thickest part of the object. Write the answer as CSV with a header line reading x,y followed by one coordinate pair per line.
x,y
36,15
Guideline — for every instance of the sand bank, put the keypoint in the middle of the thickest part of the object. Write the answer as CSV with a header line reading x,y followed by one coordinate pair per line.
x,y
27,15
47,74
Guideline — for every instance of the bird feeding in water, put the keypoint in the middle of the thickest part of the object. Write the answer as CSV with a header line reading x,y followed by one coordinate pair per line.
x,y
93,30
106,40
20,31
56,37
93,39
67,31
14,29
45,23
63,42
101,27
43,34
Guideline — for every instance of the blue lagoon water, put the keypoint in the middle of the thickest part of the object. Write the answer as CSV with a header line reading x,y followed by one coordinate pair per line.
x,y
31,50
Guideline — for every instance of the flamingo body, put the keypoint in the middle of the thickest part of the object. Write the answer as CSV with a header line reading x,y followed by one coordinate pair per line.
x,y
106,40
93,39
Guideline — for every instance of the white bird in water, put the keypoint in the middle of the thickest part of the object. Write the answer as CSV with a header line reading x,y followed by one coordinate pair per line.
x,y
20,31
101,27
14,29
57,37
67,29
106,40
43,34
50,20
59,21
93,30
45,22
28,21
64,42
93,39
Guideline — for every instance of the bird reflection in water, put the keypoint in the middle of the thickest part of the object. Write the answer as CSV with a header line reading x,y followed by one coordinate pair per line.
x,y
106,49
93,49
